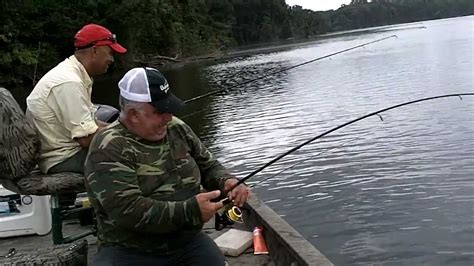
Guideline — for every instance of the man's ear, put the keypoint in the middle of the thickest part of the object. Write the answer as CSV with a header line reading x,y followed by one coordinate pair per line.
x,y
94,49
133,115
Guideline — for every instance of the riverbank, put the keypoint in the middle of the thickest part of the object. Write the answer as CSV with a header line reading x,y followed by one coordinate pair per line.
x,y
171,63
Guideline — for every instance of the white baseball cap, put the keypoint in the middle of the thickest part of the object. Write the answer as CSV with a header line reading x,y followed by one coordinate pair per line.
x,y
148,85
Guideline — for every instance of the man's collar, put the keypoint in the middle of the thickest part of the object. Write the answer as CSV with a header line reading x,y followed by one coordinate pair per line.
x,y
85,76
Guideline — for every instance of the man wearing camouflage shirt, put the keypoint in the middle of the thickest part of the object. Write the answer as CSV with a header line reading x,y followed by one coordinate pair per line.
x,y
144,175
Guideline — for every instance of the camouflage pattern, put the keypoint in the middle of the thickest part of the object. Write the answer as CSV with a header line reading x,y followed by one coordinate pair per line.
x,y
74,254
143,192
39,184
19,144
19,150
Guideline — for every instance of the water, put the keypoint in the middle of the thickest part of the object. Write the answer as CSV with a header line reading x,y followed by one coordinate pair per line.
x,y
392,192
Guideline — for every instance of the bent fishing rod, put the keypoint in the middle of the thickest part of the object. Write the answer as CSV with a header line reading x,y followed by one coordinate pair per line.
x,y
214,92
376,113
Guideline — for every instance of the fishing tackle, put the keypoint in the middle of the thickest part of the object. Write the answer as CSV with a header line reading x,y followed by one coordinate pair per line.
x,y
231,215
285,69
376,113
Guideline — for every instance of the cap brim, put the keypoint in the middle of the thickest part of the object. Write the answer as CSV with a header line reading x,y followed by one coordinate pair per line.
x,y
117,48
170,104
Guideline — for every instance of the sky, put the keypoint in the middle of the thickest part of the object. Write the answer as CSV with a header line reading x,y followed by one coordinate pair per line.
x,y
318,5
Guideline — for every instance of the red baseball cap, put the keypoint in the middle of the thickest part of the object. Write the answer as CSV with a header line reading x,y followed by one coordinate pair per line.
x,y
96,35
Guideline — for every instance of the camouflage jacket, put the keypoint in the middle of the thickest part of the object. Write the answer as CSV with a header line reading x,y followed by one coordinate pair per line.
x,y
143,192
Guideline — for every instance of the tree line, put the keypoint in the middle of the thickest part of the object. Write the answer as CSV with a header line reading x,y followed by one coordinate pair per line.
x,y
37,34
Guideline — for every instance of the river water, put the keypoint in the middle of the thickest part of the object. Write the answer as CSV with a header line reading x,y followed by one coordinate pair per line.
x,y
393,192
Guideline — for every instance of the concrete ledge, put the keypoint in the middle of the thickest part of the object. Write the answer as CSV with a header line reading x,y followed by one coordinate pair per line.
x,y
286,245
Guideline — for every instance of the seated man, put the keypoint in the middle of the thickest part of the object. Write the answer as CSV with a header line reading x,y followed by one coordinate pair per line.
x,y
60,103
144,175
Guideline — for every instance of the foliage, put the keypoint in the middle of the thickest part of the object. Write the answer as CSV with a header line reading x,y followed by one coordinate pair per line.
x,y
37,34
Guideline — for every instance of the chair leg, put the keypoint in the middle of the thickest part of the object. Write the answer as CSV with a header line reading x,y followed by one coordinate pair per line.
x,y
57,223
56,217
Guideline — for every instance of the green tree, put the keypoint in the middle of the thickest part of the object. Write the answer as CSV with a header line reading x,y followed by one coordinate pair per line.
x,y
37,34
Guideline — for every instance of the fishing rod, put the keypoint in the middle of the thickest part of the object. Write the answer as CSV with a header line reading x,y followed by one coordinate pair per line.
x,y
285,69
376,113
295,164
234,214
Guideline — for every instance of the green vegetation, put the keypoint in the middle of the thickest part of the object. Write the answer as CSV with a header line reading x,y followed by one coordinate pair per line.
x,y
37,34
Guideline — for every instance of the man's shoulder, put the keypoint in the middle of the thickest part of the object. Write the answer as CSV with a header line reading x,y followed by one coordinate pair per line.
x,y
112,136
178,124
64,72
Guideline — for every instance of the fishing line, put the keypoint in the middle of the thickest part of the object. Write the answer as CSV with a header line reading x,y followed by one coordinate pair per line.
x,y
273,73
214,92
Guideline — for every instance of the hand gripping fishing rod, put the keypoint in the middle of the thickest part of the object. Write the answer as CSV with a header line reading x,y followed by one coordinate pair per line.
x,y
284,69
377,113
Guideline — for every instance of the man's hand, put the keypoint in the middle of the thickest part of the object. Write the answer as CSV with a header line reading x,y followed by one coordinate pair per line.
x,y
208,208
238,195
84,142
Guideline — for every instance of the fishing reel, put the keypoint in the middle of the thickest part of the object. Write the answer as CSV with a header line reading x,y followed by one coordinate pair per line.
x,y
230,215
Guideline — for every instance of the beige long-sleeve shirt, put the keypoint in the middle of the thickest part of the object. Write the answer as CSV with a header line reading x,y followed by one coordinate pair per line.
x,y
61,108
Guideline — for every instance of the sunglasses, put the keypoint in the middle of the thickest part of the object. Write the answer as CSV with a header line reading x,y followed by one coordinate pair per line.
x,y
112,38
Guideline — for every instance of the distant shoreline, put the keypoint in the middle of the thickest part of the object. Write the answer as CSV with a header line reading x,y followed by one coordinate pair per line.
x,y
270,47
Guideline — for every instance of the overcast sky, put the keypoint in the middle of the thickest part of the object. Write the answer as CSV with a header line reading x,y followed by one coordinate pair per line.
x,y
318,5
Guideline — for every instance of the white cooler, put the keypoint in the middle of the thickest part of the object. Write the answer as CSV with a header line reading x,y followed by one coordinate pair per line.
x,y
23,214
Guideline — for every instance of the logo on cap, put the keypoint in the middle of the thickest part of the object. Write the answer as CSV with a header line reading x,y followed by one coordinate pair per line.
x,y
165,87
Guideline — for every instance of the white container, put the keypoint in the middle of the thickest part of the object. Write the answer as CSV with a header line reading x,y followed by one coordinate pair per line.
x,y
34,216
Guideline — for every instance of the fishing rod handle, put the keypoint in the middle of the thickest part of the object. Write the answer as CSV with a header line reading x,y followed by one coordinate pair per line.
x,y
221,197
224,193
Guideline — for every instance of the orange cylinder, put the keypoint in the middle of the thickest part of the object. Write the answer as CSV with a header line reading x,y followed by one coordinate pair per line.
x,y
259,245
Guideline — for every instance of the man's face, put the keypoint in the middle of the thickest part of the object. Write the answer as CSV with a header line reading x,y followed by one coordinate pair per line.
x,y
150,124
103,57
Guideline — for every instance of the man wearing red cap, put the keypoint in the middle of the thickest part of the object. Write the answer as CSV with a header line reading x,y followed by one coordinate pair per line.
x,y
60,104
